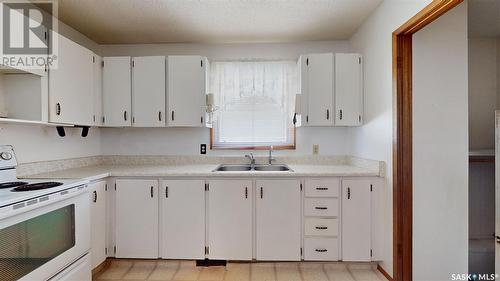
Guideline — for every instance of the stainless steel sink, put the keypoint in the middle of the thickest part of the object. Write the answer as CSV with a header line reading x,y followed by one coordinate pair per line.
x,y
248,168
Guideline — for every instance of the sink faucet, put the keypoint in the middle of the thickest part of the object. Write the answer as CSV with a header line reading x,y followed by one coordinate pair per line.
x,y
271,159
252,159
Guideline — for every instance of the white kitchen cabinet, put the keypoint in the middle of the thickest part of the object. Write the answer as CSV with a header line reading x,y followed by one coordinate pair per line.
x,y
230,219
278,220
356,220
136,217
97,90
71,85
186,91
377,187
317,89
98,222
348,90
148,91
182,219
117,91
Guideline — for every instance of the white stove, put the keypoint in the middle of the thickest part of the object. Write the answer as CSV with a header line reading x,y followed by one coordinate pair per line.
x,y
44,226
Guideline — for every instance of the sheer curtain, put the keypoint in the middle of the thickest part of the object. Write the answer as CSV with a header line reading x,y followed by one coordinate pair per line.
x,y
256,102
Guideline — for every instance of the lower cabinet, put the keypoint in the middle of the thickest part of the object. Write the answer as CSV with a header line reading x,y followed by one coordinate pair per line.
x,y
182,219
278,217
230,219
98,223
136,219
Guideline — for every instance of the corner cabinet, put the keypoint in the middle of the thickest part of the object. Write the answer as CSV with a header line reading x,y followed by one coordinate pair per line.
x,y
186,91
71,85
117,91
331,86
136,224
97,116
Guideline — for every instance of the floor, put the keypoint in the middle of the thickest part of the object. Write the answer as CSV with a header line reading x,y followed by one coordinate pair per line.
x,y
187,271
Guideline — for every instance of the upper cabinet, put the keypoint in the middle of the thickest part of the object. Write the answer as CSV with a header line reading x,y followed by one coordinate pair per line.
x,y
348,90
331,86
97,93
71,85
117,91
186,91
148,91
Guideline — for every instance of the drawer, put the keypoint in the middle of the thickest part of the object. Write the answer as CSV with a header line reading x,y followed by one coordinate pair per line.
x,y
321,207
321,249
321,227
322,187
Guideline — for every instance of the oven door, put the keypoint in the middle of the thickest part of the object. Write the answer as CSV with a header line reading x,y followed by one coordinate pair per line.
x,y
37,243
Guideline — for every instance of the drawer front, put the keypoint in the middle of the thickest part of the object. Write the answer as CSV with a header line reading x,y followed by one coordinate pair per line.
x,y
318,207
321,227
322,187
321,249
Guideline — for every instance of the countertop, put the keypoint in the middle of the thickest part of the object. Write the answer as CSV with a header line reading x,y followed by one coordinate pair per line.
x,y
97,172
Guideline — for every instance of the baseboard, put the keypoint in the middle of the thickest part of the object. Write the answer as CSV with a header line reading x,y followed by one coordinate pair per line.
x,y
386,275
100,268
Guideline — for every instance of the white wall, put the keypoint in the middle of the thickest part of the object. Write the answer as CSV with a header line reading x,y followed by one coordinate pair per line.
x,y
186,141
440,147
374,139
483,92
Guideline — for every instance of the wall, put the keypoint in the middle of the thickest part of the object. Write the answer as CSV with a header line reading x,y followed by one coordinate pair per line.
x,y
186,141
374,140
440,147
483,92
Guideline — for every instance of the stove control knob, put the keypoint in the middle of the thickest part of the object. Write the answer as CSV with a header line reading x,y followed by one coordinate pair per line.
x,y
6,155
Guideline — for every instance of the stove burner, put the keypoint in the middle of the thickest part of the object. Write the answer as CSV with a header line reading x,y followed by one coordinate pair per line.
x,y
12,184
37,186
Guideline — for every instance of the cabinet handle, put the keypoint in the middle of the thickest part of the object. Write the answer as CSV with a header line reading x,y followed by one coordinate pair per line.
x,y
95,196
152,194
166,191
173,115
328,114
261,192
321,227
125,115
348,193
58,109
321,208
497,239
321,188
246,192
159,116
321,250
340,114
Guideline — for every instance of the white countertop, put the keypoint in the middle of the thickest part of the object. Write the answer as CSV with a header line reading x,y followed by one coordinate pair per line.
x,y
97,172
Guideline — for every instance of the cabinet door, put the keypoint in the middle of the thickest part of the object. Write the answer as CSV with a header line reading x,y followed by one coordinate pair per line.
x,y
98,223
278,217
377,187
97,90
183,219
117,91
320,89
186,91
136,219
348,90
230,219
356,224
148,91
70,85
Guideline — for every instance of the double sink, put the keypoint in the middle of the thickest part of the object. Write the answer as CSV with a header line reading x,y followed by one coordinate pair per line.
x,y
252,168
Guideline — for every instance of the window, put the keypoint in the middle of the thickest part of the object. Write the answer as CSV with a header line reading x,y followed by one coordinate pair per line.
x,y
255,101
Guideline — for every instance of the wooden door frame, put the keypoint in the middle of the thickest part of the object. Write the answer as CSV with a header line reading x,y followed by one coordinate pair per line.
x,y
403,134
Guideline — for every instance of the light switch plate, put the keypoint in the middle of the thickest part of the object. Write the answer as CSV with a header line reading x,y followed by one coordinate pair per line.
x,y
315,149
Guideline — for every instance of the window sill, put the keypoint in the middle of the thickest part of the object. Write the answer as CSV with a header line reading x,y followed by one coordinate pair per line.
x,y
266,147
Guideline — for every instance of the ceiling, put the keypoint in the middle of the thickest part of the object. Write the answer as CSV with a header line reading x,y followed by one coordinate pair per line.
x,y
215,21
484,18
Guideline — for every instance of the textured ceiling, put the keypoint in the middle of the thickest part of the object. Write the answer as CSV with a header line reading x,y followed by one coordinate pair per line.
x,y
484,18
215,21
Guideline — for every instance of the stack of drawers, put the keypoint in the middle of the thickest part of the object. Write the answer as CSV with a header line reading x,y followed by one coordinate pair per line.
x,y
322,219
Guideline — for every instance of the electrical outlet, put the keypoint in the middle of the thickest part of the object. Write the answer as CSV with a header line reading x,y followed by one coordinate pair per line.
x,y
203,148
315,149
